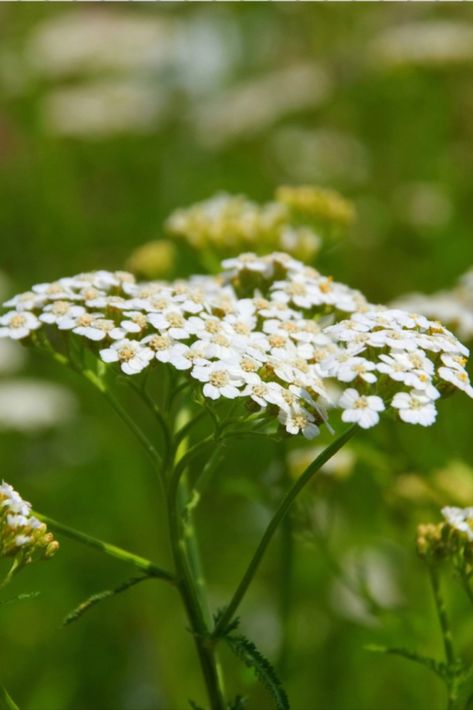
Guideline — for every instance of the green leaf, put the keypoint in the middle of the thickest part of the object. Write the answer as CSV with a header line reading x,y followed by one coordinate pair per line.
x,y
437,667
95,599
254,659
7,701
20,598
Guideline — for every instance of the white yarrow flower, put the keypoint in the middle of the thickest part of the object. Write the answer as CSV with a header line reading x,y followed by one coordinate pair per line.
x,y
360,409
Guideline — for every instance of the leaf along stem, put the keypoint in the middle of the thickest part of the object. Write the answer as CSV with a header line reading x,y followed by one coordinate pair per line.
x,y
141,563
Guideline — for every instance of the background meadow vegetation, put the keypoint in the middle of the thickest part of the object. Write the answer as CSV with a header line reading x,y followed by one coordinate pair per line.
x,y
112,116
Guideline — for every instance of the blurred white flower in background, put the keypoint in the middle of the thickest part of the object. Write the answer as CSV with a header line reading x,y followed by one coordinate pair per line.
x,y
80,42
12,357
453,307
255,105
30,404
430,43
323,155
374,575
117,71
103,107
423,204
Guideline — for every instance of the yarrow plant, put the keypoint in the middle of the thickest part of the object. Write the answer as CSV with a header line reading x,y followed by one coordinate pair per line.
x,y
439,546
268,348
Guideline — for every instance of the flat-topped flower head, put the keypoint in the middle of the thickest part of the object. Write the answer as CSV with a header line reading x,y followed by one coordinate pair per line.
x,y
22,535
268,329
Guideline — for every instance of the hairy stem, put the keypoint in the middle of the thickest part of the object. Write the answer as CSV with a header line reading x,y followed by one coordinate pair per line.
x,y
140,562
278,516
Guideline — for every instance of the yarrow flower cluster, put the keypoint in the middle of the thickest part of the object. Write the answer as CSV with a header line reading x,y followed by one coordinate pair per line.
x,y
453,307
22,536
268,330
293,221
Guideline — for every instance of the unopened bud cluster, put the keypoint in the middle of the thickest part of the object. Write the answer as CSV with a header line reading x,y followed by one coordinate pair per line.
x,y
451,539
22,535
294,222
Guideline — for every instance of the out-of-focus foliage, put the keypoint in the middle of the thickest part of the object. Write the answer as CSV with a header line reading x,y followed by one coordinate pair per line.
x,y
112,117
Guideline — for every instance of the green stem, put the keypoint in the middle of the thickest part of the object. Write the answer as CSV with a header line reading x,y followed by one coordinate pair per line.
x,y
450,657
190,597
151,404
140,562
285,591
442,616
11,573
123,414
9,703
192,546
278,516
466,586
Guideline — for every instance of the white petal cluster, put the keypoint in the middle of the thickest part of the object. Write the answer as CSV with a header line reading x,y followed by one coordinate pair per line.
x,y
460,519
453,307
20,532
397,358
269,330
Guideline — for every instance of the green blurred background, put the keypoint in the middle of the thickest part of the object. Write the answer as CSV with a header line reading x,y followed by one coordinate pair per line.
x,y
112,115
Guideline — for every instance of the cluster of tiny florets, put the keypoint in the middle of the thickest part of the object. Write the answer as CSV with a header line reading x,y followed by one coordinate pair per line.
x,y
454,307
22,536
293,221
397,359
268,329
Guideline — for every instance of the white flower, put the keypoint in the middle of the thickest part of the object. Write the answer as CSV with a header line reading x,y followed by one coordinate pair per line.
x,y
264,393
356,367
299,421
360,409
132,356
457,377
57,311
18,325
134,323
250,262
172,322
221,379
460,519
21,540
415,407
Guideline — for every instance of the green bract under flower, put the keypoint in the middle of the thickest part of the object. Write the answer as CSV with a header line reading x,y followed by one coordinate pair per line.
x,y
268,329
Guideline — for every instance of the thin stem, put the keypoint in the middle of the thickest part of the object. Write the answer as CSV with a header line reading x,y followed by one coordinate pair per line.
x,y
285,590
442,616
190,597
121,411
466,586
278,516
451,680
156,412
186,459
9,702
184,431
11,573
140,562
